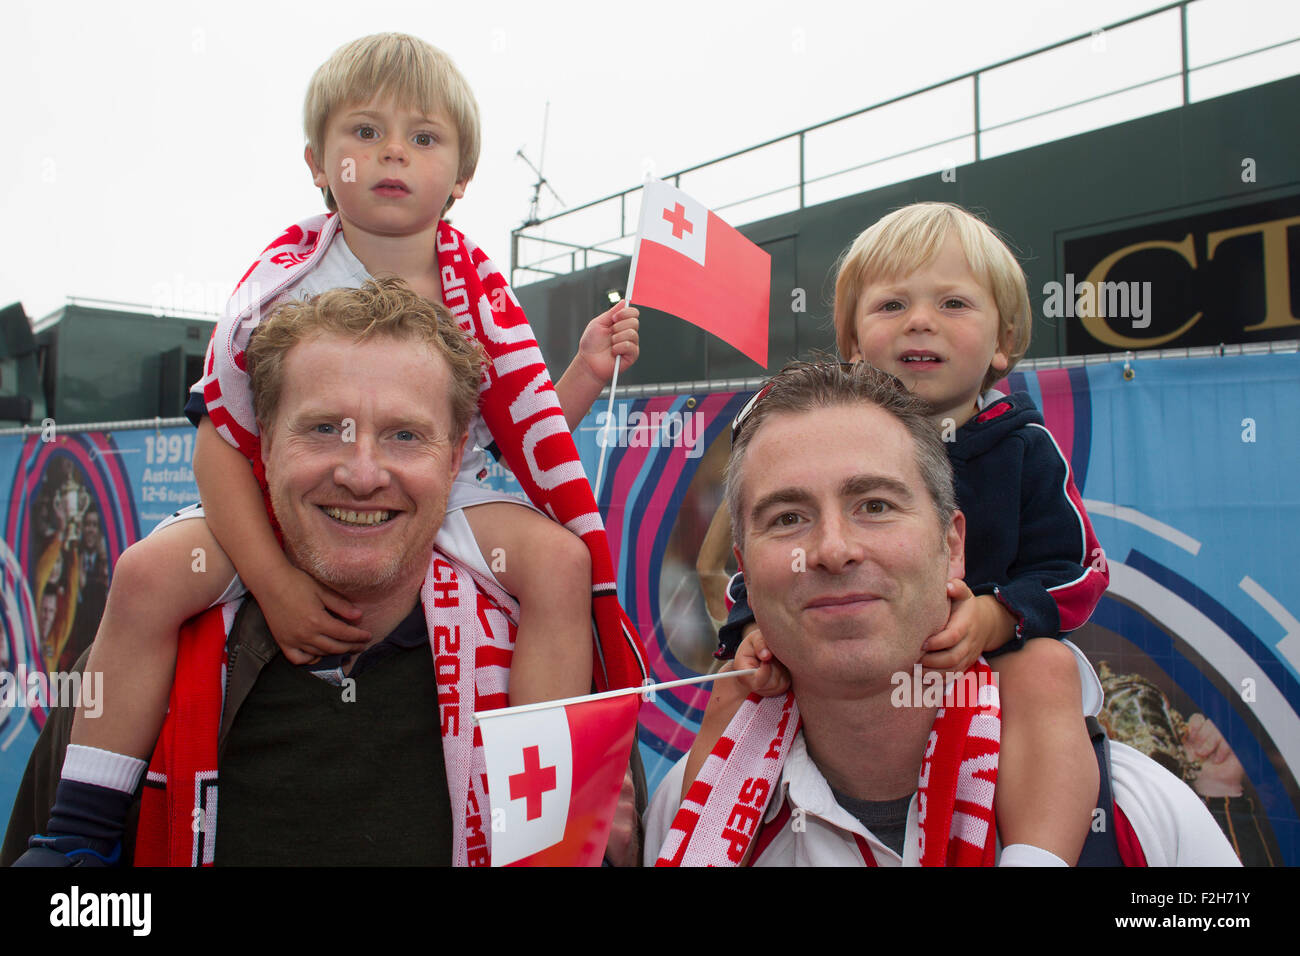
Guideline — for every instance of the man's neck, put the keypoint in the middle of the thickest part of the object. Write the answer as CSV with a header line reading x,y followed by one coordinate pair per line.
x,y
411,258
383,611
864,746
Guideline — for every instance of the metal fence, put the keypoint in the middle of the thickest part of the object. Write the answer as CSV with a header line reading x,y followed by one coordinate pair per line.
x,y
1167,55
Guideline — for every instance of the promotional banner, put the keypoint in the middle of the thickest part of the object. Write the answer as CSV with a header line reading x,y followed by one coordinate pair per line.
x,y
1187,468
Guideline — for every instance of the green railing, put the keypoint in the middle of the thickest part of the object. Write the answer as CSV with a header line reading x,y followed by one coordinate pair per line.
x,y
977,104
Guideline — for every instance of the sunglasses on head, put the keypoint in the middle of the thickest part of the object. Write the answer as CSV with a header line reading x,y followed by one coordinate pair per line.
x,y
747,410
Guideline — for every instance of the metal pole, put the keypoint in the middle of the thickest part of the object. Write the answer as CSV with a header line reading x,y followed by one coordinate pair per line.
x,y
1187,80
801,172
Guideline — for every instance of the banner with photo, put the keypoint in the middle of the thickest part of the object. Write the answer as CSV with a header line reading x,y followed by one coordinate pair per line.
x,y
1187,467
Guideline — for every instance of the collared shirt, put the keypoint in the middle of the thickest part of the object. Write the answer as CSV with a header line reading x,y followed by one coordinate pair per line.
x,y
1170,821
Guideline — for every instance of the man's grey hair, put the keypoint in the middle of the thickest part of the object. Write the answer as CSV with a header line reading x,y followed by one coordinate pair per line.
x,y
804,386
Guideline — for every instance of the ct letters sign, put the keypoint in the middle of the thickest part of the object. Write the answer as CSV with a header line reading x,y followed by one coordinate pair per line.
x,y
1230,277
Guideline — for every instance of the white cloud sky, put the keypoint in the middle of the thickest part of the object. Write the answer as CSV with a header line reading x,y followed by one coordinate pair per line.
x,y
153,149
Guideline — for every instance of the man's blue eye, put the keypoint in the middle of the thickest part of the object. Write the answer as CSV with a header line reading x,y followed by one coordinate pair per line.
x,y
324,429
405,436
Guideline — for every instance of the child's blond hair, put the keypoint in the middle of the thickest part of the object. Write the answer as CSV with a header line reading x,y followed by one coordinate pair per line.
x,y
414,73
907,239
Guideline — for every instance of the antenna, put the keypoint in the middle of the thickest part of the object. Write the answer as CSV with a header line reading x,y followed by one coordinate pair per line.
x,y
532,219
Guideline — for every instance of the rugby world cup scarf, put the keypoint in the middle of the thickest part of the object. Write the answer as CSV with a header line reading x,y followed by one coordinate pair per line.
x,y
719,818
471,625
517,401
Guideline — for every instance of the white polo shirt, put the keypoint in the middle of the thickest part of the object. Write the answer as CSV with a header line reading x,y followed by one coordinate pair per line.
x,y
1169,820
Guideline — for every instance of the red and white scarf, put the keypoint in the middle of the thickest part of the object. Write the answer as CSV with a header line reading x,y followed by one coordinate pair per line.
x,y
471,625
517,400
724,807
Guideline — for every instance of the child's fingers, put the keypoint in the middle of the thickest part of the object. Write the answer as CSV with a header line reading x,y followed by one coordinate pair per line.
x,y
956,658
941,660
958,590
778,681
297,657
338,604
342,631
324,646
942,641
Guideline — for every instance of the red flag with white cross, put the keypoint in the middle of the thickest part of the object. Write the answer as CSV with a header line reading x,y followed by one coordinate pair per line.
x,y
691,264
554,777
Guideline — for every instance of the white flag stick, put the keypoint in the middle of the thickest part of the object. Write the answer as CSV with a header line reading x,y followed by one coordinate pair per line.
x,y
622,692
609,421
613,385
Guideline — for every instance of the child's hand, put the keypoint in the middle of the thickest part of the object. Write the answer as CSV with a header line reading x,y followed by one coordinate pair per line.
x,y
613,333
975,624
297,610
772,677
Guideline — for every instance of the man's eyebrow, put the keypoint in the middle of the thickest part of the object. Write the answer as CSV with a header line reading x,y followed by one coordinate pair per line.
x,y
323,413
782,496
865,484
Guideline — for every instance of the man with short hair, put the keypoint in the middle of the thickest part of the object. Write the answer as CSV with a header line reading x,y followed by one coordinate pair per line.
x,y
365,396
851,545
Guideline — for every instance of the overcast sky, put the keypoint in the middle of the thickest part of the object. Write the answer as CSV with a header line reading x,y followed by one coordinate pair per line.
x,y
153,149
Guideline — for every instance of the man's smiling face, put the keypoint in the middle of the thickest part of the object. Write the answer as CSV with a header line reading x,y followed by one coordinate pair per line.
x,y
844,559
359,460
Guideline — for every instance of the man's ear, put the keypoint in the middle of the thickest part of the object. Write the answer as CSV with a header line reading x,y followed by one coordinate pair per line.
x,y
264,442
740,560
458,452
955,538
318,176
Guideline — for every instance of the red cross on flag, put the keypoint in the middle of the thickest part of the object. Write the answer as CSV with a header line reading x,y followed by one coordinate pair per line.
x,y
691,264
554,777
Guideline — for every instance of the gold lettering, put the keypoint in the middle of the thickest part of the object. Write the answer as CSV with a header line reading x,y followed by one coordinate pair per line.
x,y
1277,276
1091,312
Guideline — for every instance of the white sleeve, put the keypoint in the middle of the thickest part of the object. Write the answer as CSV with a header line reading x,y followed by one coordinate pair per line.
x,y
661,809
1170,821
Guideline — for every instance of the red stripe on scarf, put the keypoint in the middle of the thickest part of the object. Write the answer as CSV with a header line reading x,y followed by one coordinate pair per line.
x,y
186,753
517,401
